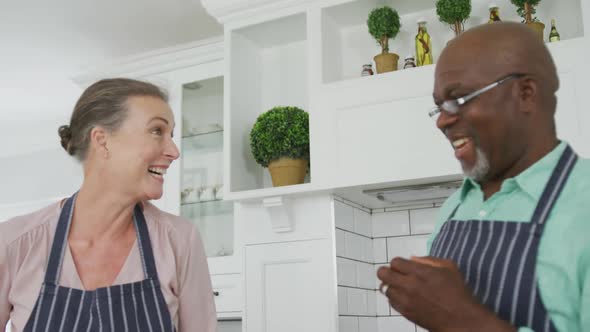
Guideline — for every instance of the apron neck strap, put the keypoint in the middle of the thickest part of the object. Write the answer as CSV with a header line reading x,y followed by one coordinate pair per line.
x,y
554,187
58,246
145,245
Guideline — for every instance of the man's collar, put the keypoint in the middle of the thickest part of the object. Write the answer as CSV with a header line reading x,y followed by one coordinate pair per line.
x,y
532,180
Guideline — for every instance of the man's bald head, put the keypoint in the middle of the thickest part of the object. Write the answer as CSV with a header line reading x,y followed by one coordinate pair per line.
x,y
493,50
505,129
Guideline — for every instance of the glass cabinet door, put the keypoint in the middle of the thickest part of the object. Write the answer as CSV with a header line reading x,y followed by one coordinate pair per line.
x,y
201,194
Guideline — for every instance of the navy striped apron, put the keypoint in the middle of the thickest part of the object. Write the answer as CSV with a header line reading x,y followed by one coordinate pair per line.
x,y
138,306
498,258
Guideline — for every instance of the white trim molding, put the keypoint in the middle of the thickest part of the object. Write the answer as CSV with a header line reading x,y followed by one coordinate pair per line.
x,y
155,62
234,10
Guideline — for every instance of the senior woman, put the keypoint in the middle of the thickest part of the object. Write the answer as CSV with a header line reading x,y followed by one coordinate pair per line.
x,y
106,259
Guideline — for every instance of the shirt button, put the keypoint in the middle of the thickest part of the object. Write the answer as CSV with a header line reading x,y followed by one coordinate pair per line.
x,y
482,213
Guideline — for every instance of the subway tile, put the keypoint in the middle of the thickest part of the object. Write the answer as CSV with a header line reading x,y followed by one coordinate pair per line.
x,y
355,246
340,243
347,272
390,223
357,301
406,246
382,305
366,275
397,324
372,303
367,324
362,222
348,324
344,216
422,221
379,250
342,300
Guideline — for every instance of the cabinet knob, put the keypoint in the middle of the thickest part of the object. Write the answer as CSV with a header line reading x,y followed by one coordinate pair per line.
x,y
216,293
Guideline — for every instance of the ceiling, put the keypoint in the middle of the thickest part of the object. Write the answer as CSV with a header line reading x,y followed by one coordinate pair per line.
x,y
46,43
114,28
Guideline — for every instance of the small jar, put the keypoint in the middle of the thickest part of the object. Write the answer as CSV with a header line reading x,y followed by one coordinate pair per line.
x,y
409,62
367,70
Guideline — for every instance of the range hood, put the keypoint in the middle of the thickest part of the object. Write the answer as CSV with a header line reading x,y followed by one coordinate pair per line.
x,y
415,194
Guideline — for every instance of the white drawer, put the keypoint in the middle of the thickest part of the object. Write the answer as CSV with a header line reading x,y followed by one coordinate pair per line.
x,y
228,294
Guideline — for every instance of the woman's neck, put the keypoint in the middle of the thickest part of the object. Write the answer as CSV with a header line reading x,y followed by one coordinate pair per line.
x,y
101,214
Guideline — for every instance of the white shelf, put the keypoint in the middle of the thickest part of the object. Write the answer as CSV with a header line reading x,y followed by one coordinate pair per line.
x,y
268,68
347,44
259,194
203,142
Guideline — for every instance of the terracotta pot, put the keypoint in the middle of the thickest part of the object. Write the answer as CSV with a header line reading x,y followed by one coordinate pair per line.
x,y
538,27
287,171
386,62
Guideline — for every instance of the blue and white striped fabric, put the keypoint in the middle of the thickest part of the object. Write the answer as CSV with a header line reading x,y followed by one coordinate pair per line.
x,y
138,306
498,258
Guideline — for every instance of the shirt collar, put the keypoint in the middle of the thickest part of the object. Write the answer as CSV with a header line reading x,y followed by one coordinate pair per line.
x,y
532,180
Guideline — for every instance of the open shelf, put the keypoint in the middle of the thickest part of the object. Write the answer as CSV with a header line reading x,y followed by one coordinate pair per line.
x,y
347,44
268,67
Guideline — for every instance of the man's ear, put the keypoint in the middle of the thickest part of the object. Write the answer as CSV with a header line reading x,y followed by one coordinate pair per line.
x,y
528,93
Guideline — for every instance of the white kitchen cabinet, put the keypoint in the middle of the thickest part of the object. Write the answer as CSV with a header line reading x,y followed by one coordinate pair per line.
x,y
197,186
290,287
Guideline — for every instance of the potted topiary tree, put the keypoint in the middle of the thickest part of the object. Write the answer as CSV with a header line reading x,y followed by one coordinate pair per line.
x,y
383,25
526,10
454,13
279,140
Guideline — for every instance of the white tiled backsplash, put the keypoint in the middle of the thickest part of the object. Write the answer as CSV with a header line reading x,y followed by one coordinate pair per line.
x,y
366,240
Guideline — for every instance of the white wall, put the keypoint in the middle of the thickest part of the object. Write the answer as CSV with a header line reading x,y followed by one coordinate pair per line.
x,y
365,240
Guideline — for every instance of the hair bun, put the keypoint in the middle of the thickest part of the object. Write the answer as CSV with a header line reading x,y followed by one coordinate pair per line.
x,y
65,133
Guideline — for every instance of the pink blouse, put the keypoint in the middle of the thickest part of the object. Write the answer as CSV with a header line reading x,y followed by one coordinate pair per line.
x,y
25,243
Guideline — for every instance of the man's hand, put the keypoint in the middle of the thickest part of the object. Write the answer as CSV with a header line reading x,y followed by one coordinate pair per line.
x,y
432,293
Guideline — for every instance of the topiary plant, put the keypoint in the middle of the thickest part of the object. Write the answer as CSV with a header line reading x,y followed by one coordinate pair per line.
x,y
526,9
282,131
383,24
454,13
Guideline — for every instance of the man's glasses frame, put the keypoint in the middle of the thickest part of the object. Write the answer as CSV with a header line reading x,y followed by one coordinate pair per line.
x,y
452,106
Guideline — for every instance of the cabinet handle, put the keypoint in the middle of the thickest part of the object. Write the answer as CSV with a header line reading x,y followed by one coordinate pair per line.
x,y
216,293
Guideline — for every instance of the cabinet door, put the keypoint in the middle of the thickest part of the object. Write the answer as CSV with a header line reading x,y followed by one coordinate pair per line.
x,y
291,287
197,183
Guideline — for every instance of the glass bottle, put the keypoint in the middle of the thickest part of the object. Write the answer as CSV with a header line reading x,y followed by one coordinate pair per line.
x,y
494,14
553,35
423,45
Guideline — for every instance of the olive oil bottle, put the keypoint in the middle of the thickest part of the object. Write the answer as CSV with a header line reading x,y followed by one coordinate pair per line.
x,y
423,45
553,35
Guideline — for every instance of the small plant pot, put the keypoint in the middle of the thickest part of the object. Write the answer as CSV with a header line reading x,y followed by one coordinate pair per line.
x,y
287,171
538,27
386,62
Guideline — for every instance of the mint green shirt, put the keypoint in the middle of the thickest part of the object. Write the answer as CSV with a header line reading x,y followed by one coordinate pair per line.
x,y
563,259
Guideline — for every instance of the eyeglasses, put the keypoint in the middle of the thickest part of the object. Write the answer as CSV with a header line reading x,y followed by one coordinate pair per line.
x,y
453,106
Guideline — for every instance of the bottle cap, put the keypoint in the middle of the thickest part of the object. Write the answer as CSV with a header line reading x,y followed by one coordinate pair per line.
x,y
421,20
492,5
